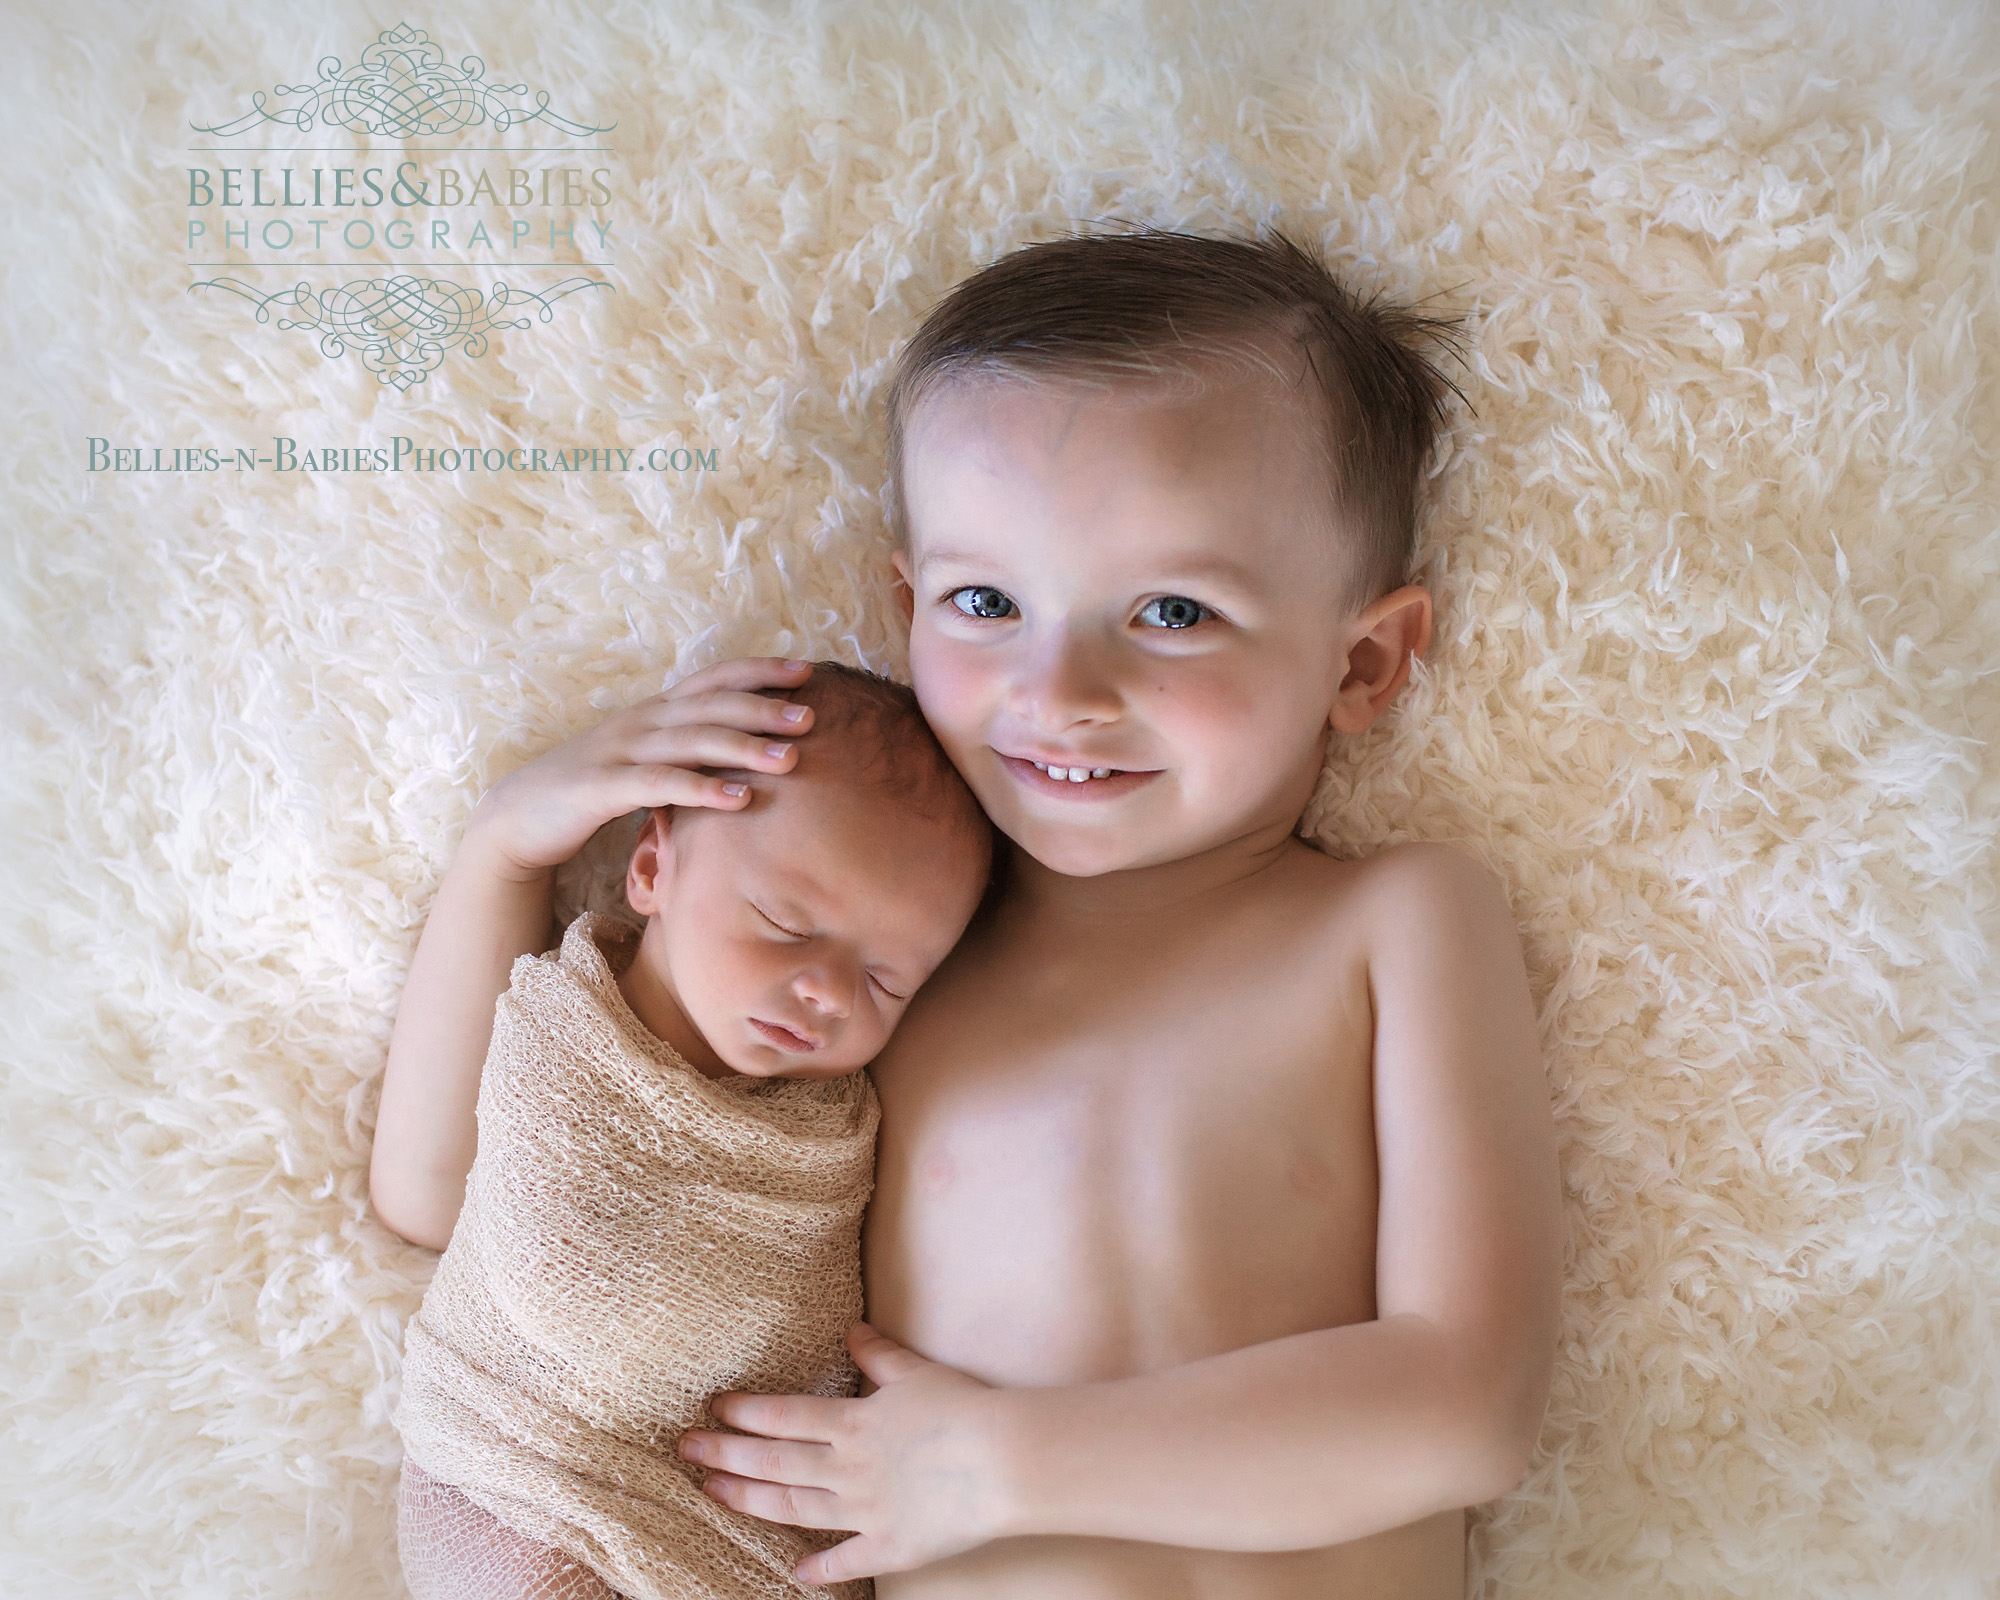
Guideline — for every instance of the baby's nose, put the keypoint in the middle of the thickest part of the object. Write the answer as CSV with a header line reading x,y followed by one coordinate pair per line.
x,y
825,991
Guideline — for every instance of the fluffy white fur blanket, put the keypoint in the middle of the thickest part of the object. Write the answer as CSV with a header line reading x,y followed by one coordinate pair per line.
x,y
1714,687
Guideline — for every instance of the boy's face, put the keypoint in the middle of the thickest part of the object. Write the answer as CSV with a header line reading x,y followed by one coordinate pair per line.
x,y
791,935
1123,582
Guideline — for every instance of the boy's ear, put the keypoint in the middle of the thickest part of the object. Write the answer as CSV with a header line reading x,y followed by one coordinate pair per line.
x,y
646,872
906,592
1380,643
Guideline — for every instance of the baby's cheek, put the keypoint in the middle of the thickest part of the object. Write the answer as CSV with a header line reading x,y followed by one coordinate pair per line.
x,y
736,976
874,1039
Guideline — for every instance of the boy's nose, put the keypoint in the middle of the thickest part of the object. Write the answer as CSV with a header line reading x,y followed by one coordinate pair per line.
x,y
1067,682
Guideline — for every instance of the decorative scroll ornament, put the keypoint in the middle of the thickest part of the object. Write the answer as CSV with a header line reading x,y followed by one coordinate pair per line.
x,y
402,326
402,88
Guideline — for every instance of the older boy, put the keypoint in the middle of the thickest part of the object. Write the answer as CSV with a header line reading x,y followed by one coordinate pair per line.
x,y
1220,1171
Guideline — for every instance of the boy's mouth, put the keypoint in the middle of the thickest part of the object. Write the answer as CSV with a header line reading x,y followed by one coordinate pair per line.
x,y
1082,783
784,1038
1076,774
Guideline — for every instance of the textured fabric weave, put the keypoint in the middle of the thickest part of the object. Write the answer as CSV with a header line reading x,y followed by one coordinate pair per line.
x,y
636,1238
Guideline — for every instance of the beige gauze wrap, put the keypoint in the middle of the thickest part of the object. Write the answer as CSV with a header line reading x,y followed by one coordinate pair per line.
x,y
636,1238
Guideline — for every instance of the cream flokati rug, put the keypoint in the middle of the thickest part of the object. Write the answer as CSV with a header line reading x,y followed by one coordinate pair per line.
x,y
1714,687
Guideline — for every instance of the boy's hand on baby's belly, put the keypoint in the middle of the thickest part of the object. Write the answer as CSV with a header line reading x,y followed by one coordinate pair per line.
x,y
908,1469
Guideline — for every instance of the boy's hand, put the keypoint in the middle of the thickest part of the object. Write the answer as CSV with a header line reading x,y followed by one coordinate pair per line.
x,y
908,1468
649,754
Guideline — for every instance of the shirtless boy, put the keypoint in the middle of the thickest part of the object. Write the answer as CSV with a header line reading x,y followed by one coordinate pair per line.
x,y
1216,1237
1216,1219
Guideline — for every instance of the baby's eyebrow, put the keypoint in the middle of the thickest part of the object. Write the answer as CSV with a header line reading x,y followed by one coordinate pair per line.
x,y
786,885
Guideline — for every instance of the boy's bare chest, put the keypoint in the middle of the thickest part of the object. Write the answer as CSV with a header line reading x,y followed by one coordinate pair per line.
x,y
1124,1158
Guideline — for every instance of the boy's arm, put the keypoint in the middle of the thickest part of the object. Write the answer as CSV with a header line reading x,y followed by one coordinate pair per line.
x,y
495,905
1300,1442
488,911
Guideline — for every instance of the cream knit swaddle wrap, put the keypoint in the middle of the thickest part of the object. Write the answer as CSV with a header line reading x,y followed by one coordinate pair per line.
x,y
635,1239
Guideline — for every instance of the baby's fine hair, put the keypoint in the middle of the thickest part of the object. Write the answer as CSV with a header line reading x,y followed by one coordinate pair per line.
x,y
1157,304
874,725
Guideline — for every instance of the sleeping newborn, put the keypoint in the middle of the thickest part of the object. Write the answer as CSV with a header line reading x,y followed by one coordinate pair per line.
x,y
675,1147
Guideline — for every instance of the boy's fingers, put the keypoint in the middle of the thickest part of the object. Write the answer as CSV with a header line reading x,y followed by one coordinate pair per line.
x,y
801,1464
745,672
780,1416
677,786
879,1357
731,708
851,1558
705,746
774,1502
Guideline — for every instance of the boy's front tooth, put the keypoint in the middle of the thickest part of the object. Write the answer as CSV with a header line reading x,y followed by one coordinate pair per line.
x,y
1058,773
1078,775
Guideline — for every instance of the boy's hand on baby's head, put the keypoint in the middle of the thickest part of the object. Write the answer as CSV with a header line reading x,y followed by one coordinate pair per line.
x,y
650,754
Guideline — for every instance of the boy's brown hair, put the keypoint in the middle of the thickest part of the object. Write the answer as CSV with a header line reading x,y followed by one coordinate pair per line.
x,y
1157,303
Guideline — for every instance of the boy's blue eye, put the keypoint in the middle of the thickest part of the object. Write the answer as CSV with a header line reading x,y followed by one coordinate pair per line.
x,y
976,600
1173,611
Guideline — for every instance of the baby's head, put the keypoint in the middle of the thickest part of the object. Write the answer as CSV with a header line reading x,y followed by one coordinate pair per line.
x,y
785,939
1155,500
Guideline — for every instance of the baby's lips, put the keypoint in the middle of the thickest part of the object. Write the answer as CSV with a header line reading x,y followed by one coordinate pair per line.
x,y
787,1038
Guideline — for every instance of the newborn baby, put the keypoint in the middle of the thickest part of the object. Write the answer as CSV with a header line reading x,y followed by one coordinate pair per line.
x,y
675,1148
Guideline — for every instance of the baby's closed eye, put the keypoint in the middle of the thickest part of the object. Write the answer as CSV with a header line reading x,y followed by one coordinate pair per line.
x,y
789,932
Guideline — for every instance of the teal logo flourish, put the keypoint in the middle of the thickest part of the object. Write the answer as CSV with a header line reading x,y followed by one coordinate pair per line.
x,y
401,326
403,87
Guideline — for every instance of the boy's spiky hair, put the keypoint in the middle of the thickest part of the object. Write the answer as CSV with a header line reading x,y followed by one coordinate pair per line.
x,y
1157,304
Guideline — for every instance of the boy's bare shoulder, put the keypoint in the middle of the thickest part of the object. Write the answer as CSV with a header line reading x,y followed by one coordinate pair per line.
x,y
1405,893
1420,866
